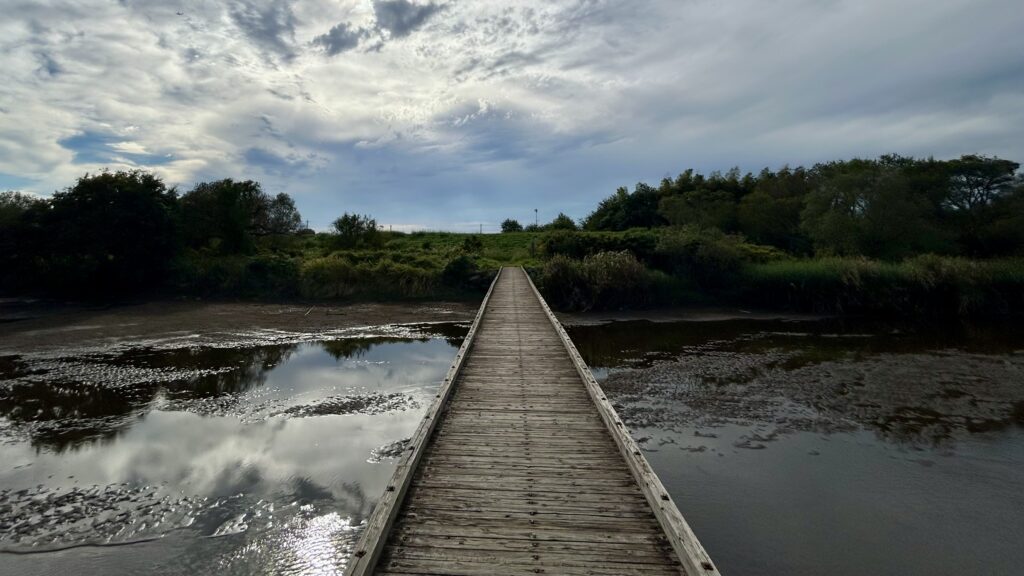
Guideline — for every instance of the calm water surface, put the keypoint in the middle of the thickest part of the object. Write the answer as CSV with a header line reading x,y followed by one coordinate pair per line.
x,y
216,458
828,448
792,447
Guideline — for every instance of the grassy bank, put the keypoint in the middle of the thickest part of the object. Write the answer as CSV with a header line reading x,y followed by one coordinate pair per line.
x,y
422,265
607,271
919,286
685,267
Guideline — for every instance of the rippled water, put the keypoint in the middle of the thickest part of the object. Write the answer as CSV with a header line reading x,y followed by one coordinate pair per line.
x,y
249,455
834,448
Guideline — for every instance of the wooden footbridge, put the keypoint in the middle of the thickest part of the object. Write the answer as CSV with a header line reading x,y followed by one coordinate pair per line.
x,y
522,467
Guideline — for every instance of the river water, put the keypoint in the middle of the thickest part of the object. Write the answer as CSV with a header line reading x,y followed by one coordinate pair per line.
x,y
259,454
830,447
791,447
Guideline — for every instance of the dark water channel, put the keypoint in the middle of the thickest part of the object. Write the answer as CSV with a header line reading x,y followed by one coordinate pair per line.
x,y
829,447
226,457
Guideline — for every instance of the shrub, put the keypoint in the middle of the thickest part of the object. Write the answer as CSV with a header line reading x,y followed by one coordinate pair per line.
x,y
561,222
618,280
459,271
472,244
336,276
607,280
565,284
269,276
709,257
353,231
510,225
922,285
641,243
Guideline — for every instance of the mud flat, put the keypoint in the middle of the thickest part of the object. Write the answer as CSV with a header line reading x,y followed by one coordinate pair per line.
x,y
34,325
207,438
829,446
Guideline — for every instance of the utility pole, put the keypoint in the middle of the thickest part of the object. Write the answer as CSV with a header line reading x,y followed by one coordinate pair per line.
x,y
481,228
535,221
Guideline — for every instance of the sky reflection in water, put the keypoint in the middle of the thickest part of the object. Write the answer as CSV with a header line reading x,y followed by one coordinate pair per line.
x,y
237,461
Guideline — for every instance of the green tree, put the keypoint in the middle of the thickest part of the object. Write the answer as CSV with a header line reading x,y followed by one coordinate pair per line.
x,y
978,195
225,216
703,208
771,213
109,234
14,204
863,207
282,217
561,222
510,225
624,210
356,231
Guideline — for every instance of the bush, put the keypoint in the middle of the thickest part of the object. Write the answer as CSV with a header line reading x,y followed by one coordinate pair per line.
x,y
607,280
263,276
925,285
472,244
709,257
565,285
336,276
459,271
578,245
354,231
269,276
510,225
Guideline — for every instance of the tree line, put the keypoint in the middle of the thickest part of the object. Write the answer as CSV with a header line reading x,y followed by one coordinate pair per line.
x,y
116,233
888,208
560,222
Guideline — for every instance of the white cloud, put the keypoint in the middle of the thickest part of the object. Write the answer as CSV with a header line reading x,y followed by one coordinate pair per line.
x,y
487,107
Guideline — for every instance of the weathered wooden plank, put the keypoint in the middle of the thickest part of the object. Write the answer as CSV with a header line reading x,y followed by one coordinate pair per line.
x,y
538,511
504,531
691,553
521,471
615,550
531,557
371,543
468,567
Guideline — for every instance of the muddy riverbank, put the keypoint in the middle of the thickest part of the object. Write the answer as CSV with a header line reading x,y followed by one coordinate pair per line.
x,y
34,325
834,446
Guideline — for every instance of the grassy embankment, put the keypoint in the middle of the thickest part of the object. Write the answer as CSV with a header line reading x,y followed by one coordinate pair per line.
x,y
610,270
421,265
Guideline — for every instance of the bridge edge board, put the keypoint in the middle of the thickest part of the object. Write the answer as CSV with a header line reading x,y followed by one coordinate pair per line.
x,y
688,548
371,543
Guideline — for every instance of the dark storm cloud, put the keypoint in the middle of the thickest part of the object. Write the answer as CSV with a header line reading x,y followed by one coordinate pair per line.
x,y
271,25
341,38
400,17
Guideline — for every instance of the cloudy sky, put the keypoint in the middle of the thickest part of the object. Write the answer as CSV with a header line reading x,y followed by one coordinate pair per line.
x,y
450,113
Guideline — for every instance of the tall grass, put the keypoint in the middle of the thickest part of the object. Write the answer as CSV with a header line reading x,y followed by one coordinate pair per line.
x,y
922,285
606,281
362,274
641,269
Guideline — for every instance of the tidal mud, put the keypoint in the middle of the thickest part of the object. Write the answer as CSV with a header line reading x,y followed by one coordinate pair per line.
x,y
829,446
